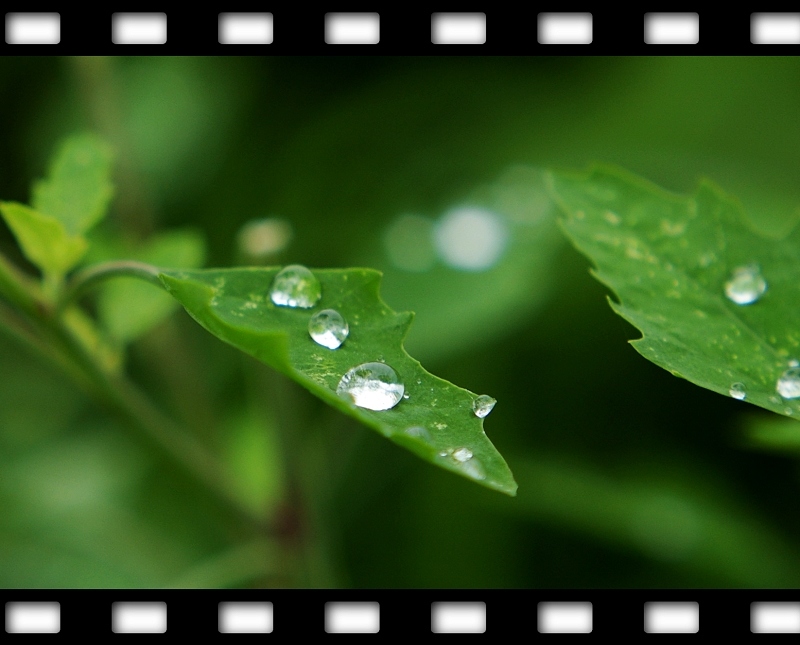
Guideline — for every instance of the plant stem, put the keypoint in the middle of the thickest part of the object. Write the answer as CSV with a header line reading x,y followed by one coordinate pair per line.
x,y
19,289
92,275
49,336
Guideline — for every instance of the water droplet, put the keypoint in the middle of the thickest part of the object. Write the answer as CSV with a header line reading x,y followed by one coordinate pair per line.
x,y
295,286
262,238
471,239
405,396
328,328
374,386
483,405
464,458
746,285
787,411
738,391
788,385
794,363
419,432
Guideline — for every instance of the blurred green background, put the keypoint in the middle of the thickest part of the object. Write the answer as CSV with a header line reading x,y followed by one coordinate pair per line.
x,y
628,476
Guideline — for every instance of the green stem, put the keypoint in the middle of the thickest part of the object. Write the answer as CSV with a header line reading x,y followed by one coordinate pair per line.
x,y
19,289
50,337
93,275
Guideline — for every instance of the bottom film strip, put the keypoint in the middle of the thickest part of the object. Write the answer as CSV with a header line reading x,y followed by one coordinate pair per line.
x,y
293,613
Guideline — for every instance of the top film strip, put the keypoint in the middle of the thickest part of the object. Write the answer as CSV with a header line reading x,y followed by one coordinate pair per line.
x,y
296,30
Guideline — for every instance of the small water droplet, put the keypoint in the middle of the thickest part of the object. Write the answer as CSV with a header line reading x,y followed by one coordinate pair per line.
x,y
738,391
794,363
295,286
788,411
374,386
483,405
788,385
746,285
328,328
419,432
405,396
464,458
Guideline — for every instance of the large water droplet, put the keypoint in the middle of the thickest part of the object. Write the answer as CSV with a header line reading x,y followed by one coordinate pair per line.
x,y
483,405
738,391
295,286
746,285
374,386
788,385
328,328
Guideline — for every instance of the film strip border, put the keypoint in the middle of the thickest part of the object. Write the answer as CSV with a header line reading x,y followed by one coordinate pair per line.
x,y
296,29
289,614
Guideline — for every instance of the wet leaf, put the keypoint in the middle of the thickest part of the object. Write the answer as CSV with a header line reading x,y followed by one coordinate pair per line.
x,y
437,417
677,265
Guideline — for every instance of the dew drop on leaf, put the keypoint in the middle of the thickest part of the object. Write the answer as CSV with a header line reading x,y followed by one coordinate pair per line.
x,y
464,458
374,386
746,285
738,391
328,328
483,405
295,286
419,432
788,385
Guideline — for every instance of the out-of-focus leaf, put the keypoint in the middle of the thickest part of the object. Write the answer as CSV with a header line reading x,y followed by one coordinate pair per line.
x,y
434,422
78,189
129,308
674,261
458,309
664,512
773,433
43,239
253,457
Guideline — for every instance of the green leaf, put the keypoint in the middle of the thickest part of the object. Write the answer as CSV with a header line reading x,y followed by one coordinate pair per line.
x,y
43,239
128,308
668,259
234,305
78,190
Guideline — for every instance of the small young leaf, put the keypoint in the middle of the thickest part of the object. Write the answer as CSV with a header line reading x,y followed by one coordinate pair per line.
x,y
43,239
78,188
717,303
436,421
